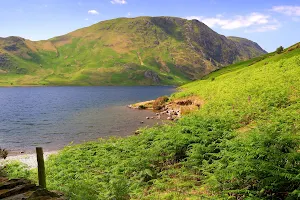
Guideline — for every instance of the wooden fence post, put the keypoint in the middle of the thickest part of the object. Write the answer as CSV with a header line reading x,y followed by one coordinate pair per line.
x,y
41,167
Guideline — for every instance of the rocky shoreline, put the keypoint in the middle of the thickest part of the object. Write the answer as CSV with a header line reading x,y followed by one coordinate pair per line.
x,y
169,110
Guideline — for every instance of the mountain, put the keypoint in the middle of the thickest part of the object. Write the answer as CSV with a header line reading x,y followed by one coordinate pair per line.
x,y
123,51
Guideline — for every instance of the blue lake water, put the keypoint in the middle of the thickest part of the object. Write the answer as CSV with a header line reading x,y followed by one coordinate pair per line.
x,y
52,117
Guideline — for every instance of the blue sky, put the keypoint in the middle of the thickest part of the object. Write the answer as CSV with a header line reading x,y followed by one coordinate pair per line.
x,y
270,23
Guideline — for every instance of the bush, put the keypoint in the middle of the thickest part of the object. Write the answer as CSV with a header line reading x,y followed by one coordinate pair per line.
x,y
160,102
279,50
142,107
16,169
3,153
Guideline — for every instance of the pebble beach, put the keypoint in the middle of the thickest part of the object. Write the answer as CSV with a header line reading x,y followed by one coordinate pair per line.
x,y
28,159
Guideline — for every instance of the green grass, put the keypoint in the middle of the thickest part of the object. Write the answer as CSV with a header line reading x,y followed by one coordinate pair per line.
x,y
243,143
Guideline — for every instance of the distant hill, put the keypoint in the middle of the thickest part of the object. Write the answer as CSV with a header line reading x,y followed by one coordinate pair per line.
x,y
123,51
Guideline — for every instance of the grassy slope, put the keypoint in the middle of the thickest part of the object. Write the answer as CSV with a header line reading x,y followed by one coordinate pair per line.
x,y
243,143
119,51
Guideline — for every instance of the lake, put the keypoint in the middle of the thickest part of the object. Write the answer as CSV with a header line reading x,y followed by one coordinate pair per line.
x,y
53,117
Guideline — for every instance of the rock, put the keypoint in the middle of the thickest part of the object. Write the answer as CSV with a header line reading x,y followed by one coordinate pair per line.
x,y
157,113
22,189
184,103
152,75
13,183
147,118
142,122
137,132
12,47
152,117
41,192
169,118
158,117
17,190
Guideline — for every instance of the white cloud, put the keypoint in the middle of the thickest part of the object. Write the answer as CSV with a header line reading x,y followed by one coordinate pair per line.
x,y
86,19
270,27
93,12
287,10
296,19
122,2
235,22
128,14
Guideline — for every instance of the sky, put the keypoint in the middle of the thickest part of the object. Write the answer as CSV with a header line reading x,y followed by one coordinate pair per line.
x,y
270,23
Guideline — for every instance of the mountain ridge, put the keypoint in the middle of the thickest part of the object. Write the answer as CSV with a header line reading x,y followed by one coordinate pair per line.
x,y
123,51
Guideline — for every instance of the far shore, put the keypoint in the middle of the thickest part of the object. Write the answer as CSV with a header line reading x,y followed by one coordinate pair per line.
x,y
21,86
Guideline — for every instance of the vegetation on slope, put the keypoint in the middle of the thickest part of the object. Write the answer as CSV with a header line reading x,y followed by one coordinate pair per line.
x,y
136,51
242,144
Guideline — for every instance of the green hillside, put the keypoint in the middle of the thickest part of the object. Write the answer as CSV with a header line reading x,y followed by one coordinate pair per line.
x,y
123,51
243,143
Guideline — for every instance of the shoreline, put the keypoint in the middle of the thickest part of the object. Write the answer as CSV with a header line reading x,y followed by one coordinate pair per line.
x,y
147,120
21,86
28,159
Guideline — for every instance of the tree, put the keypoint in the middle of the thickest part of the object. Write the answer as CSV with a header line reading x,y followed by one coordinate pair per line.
x,y
279,50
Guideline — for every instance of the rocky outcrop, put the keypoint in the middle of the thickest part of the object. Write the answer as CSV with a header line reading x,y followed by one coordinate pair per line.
x,y
5,62
153,76
22,189
170,110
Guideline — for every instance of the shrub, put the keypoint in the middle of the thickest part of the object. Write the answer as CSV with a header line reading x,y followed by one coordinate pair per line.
x,y
142,107
2,172
3,153
16,169
160,102
279,50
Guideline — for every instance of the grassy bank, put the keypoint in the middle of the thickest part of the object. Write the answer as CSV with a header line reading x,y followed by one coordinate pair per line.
x,y
242,144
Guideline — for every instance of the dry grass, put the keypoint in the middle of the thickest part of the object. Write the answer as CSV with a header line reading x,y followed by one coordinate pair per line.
x,y
146,104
